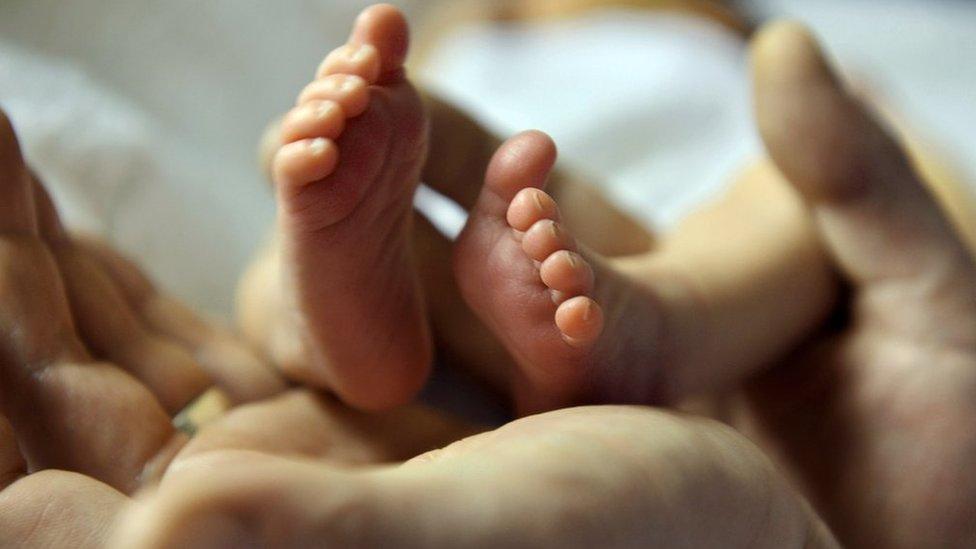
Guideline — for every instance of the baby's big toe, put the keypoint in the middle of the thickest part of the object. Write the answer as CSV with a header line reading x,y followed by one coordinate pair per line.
x,y
522,162
530,206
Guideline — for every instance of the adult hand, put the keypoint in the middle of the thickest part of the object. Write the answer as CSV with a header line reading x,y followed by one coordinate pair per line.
x,y
582,477
877,416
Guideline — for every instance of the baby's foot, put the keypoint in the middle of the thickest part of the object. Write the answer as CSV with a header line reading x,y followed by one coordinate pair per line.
x,y
545,296
350,159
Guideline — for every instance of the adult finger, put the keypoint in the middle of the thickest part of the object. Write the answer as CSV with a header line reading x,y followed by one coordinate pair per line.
x,y
106,323
301,423
877,216
113,332
560,479
16,198
12,465
234,366
67,411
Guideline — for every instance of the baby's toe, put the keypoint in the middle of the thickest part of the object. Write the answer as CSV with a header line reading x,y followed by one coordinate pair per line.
x,y
315,118
545,238
567,272
351,92
529,206
384,27
580,320
362,60
305,161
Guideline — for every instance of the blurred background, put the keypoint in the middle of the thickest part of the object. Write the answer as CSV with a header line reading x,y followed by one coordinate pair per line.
x,y
144,116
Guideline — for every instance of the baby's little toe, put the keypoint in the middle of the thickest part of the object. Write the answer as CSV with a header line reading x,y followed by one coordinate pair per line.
x,y
580,320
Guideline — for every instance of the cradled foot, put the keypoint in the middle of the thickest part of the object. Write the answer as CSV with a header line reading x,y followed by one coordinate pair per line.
x,y
544,295
345,174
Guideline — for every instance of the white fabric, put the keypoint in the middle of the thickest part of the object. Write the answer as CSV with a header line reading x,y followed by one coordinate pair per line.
x,y
657,106
654,105
144,115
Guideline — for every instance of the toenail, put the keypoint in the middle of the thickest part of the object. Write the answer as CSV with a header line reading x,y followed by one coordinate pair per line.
x,y
554,229
538,202
587,311
324,110
571,257
317,146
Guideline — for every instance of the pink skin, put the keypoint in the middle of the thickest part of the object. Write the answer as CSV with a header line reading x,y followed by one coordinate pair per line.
x,y
544,295
350,160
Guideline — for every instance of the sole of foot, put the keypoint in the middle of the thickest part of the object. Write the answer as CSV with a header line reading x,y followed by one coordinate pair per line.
x,y
345,174
547,297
